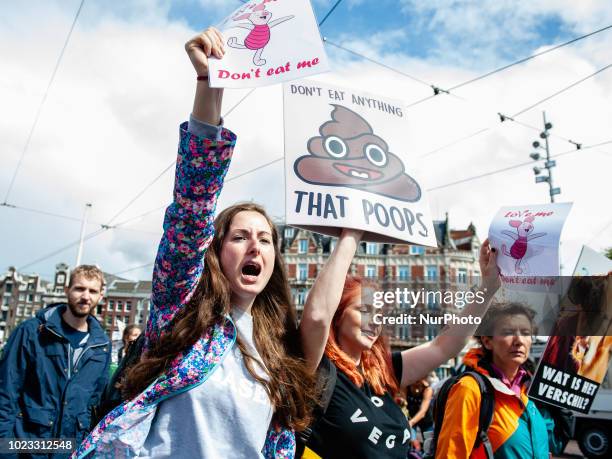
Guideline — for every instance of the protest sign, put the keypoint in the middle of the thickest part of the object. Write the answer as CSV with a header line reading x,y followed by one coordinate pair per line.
x,y
345,166
578,352
267,42
591,263
562,388
527,241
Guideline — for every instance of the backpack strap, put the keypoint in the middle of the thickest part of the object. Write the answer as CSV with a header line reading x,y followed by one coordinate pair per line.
x,y
327,375
487,405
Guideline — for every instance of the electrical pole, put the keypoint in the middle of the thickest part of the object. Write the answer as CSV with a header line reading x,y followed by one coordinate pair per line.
x,y
83,225
548,164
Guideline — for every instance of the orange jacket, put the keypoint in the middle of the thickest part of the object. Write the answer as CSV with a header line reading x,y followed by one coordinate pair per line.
x,y
517,429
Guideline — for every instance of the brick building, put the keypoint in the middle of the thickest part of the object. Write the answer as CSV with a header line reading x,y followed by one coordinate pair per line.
x,y
453,265
127,301
21,296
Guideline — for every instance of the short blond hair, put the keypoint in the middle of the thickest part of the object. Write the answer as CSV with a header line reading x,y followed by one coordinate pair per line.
x,y
89,272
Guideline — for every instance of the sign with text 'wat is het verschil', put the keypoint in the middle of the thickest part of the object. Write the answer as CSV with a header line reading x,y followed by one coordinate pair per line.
x,y
578,353
346,165
267,42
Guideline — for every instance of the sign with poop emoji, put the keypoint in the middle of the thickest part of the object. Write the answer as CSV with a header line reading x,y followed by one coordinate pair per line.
x,y
345,166
267,42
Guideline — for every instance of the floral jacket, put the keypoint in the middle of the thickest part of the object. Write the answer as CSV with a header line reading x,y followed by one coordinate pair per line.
x,y
201,167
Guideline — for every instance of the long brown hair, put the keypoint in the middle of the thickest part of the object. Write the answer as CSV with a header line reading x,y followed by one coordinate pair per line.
x,y
290,385
376,361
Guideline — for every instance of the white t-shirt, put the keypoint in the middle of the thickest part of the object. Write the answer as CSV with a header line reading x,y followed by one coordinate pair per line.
x,y
226,416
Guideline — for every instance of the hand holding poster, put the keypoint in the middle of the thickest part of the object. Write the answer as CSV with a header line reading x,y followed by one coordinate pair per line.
x,y
578,352
344,166
267,42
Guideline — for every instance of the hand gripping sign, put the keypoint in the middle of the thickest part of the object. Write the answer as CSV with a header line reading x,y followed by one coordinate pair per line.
x,y
345,166
267,42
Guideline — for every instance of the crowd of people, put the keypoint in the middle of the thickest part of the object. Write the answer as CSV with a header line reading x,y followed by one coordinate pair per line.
x,y
223,368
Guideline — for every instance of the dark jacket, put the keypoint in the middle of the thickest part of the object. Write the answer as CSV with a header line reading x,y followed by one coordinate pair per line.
x,y
47,389
111,396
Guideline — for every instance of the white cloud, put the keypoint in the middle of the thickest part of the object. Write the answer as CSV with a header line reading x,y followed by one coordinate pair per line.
x,y
479,33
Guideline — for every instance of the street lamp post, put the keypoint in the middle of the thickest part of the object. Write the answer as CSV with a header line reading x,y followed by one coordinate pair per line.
x,y
548,164
82,235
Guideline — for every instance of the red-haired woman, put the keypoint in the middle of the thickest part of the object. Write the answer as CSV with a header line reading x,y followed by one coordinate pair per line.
x,y
362,420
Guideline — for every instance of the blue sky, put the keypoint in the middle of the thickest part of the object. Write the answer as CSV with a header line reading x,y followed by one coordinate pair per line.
x,y
424,31
109,124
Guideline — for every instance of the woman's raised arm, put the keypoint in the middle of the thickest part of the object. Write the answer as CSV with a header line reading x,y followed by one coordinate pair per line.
x,y
207,101
202,163
324,297
420,360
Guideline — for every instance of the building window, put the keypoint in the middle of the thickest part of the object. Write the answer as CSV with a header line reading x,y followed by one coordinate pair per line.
x,y
371,248
128,306
19,311
462,276
30,298
288,232
371,271
303,246
404,332
119,306
37,298
302,271
431,332
99,310
8,287
111,305
404,302
432,273
61,279
300,297
417,250
432,301
7,301
22,297
403,272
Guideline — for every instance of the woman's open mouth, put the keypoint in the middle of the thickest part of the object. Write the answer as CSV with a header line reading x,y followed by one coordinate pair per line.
x,y
369,333
250,271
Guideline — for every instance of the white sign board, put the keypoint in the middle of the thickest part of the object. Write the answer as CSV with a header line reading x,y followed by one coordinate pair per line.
x,y
591,263
345,165
267,42
527,239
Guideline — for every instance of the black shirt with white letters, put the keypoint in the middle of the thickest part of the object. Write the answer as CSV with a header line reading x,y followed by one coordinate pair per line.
x,y
360,424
